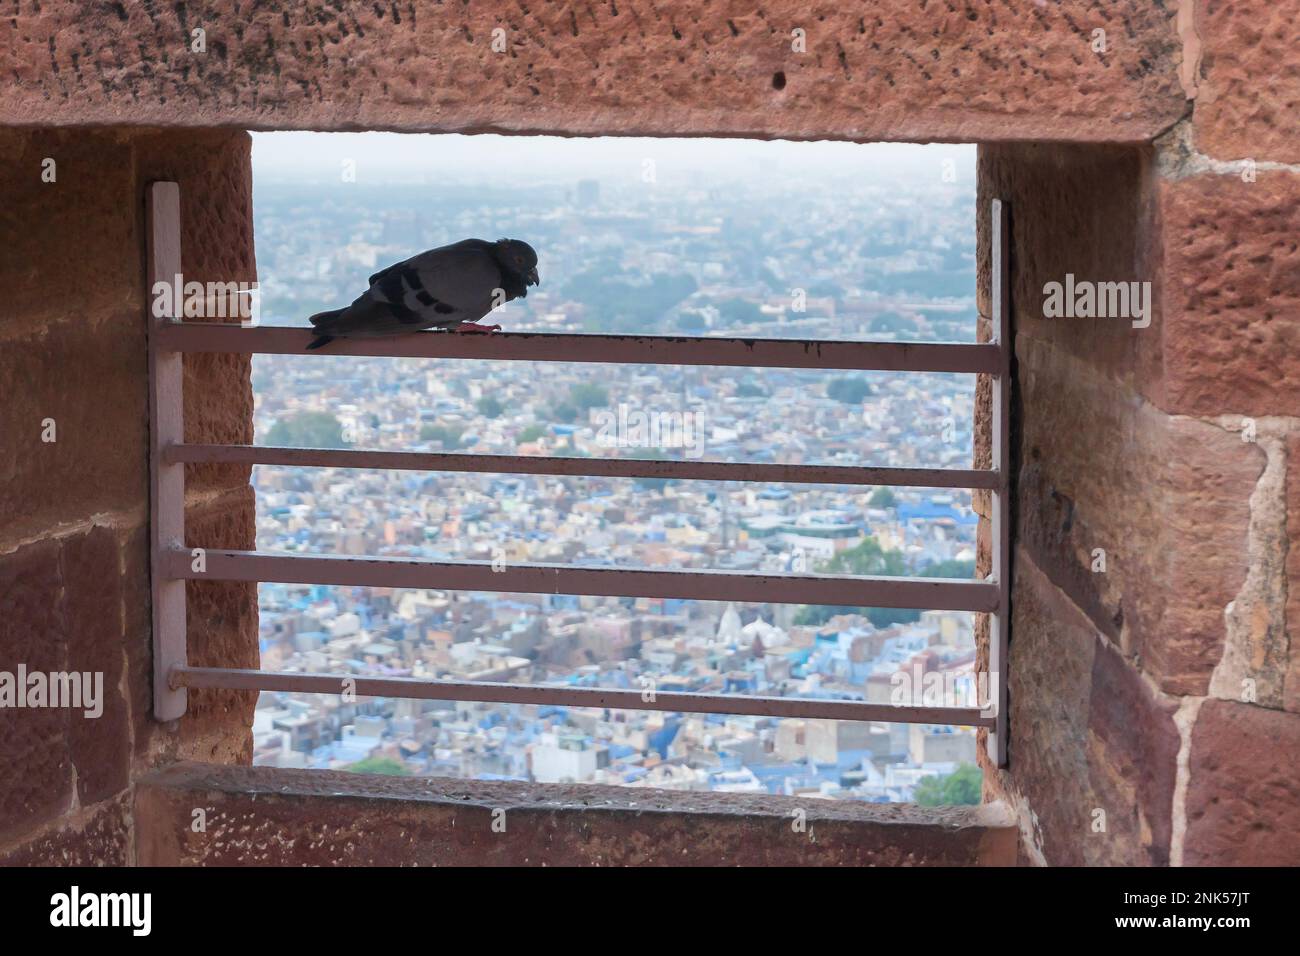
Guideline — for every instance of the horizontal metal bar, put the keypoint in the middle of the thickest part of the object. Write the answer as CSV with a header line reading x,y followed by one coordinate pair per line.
x,y
614,349
229,678
940,594
589,467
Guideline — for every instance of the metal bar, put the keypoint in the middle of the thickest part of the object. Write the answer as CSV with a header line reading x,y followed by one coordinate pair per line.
x,y
941,594
492,692
1000,620
166,479
588,467
613,349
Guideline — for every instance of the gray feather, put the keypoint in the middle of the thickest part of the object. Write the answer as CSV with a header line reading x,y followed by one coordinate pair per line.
x,y
440,288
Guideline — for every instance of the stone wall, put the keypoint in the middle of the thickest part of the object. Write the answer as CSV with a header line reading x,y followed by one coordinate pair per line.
x,y
1161,691
74,552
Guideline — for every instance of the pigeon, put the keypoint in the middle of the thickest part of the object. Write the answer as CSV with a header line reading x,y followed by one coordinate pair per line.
x,y
450,287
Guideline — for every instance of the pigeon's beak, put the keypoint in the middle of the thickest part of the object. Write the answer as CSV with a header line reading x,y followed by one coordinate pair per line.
x,y
533,278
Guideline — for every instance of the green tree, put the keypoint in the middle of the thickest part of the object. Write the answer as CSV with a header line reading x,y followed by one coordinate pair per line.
x,y
883,498
960,788
564,411
307,430
530,434
381,765
446,435
626,303
489,406
865,558
952,568
588,395
653,484
850,390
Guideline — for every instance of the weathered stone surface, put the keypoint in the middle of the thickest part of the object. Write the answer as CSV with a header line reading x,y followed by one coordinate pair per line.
x,y
895,70
1231,332
1088,734
37,782
92,593
1087,213
263,816
1166,498
1291,693
92,383
1132,757
94,174
1051,665
1248,98
137,629
98,837
1243,795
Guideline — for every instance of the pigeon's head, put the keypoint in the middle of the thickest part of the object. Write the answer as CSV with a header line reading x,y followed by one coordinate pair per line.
x,y
520,259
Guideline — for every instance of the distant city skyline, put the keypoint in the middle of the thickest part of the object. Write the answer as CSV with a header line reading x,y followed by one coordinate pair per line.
x,y
736,238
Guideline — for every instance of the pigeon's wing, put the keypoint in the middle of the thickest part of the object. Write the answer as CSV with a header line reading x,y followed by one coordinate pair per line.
x,y
439,288
464,276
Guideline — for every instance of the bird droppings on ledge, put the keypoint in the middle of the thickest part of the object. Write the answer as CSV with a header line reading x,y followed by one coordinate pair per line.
x,y
389,820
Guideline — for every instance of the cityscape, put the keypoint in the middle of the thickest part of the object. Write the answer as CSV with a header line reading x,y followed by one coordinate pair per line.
x,y
766,244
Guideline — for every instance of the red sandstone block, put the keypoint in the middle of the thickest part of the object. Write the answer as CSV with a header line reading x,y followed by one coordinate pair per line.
x,y
1243,795
1248,101
1291,692
93,598
1051,667
84,386
1231,333
892,70
1088,734
102,840
1085,213
137,636
89,207
1166,498
37,783
1133,762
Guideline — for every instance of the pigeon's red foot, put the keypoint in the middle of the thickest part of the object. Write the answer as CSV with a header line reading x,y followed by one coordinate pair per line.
x,y
471,327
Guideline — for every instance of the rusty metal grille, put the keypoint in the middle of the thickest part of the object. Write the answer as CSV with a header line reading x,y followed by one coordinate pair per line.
x,y
170,338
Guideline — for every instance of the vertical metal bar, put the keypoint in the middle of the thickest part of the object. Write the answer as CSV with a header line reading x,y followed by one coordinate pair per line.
x,y
1000,620
166,426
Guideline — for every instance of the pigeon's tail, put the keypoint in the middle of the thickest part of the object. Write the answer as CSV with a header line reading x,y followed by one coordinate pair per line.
x,y
322,321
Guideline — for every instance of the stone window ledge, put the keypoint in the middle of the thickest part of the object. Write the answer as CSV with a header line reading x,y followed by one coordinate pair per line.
x,y
269,816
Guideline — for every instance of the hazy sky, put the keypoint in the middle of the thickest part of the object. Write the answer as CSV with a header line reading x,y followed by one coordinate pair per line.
x,y
306,157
